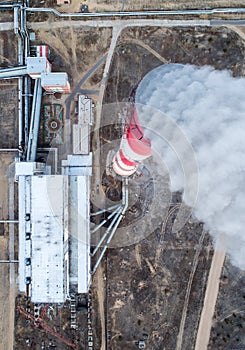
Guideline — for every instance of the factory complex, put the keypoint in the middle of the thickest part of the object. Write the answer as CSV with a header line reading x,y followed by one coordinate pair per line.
x,y
54,207
101,244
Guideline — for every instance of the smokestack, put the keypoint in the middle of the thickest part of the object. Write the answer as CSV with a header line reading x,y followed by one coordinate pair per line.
x,y
134,148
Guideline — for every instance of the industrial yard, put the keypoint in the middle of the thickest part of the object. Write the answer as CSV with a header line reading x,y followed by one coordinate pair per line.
x,y
148,289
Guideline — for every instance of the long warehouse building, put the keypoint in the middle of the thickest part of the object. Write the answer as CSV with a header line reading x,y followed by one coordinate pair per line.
x,y
54,226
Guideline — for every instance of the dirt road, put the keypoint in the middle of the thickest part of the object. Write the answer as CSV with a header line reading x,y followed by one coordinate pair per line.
x,y
188,291
7,289
211,295
101,299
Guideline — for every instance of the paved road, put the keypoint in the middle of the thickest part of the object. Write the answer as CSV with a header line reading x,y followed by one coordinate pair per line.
x,y
82,81
115,34
89,92
121,23
219,23
138,13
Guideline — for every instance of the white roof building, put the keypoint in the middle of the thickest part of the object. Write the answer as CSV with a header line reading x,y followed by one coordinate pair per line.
x,y
55,82
37,65
49,223
81,131
54,231
85,110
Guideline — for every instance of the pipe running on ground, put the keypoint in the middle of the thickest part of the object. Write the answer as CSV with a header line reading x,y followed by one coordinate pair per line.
x,y
107,231
113,226
105,220
35,119
104,210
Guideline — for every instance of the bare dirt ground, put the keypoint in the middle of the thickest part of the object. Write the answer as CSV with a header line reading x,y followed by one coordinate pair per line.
x,y
130,5
219,47
8,115
211,295
7,291
6,324
8,139
8,93
8,47
75,50
229,318
28,336
155,289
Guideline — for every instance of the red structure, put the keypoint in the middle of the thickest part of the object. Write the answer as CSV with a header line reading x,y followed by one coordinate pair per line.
x,y
42,51
134,148
39,323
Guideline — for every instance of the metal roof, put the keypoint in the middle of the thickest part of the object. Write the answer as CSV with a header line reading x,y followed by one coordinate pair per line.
x,y
80,227
85,112
28,168
22,231
58,243
47,260
78,165
54,79
37,65
83,233
81,138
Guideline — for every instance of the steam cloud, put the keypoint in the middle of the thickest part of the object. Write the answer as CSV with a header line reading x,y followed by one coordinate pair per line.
x,y
183,105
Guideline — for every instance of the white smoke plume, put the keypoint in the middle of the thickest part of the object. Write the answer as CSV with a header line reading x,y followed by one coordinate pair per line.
x,y
195,118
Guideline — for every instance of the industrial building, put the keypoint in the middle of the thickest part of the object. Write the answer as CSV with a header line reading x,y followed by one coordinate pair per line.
x,y
37,65
54,207
54,200
55,82
82,129
54,227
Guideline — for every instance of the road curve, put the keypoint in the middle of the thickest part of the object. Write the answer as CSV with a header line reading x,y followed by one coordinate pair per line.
x,y
78,87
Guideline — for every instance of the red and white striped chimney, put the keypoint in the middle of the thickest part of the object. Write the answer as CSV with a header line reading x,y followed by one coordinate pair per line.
x,y
133,149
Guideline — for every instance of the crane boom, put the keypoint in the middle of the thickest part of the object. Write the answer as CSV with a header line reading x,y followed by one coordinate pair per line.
x,y
48,329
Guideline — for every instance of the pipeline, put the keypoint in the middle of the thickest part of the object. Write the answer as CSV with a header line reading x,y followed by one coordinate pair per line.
x,y
107,231
138,13
35,119
115,223
104,210
105,220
